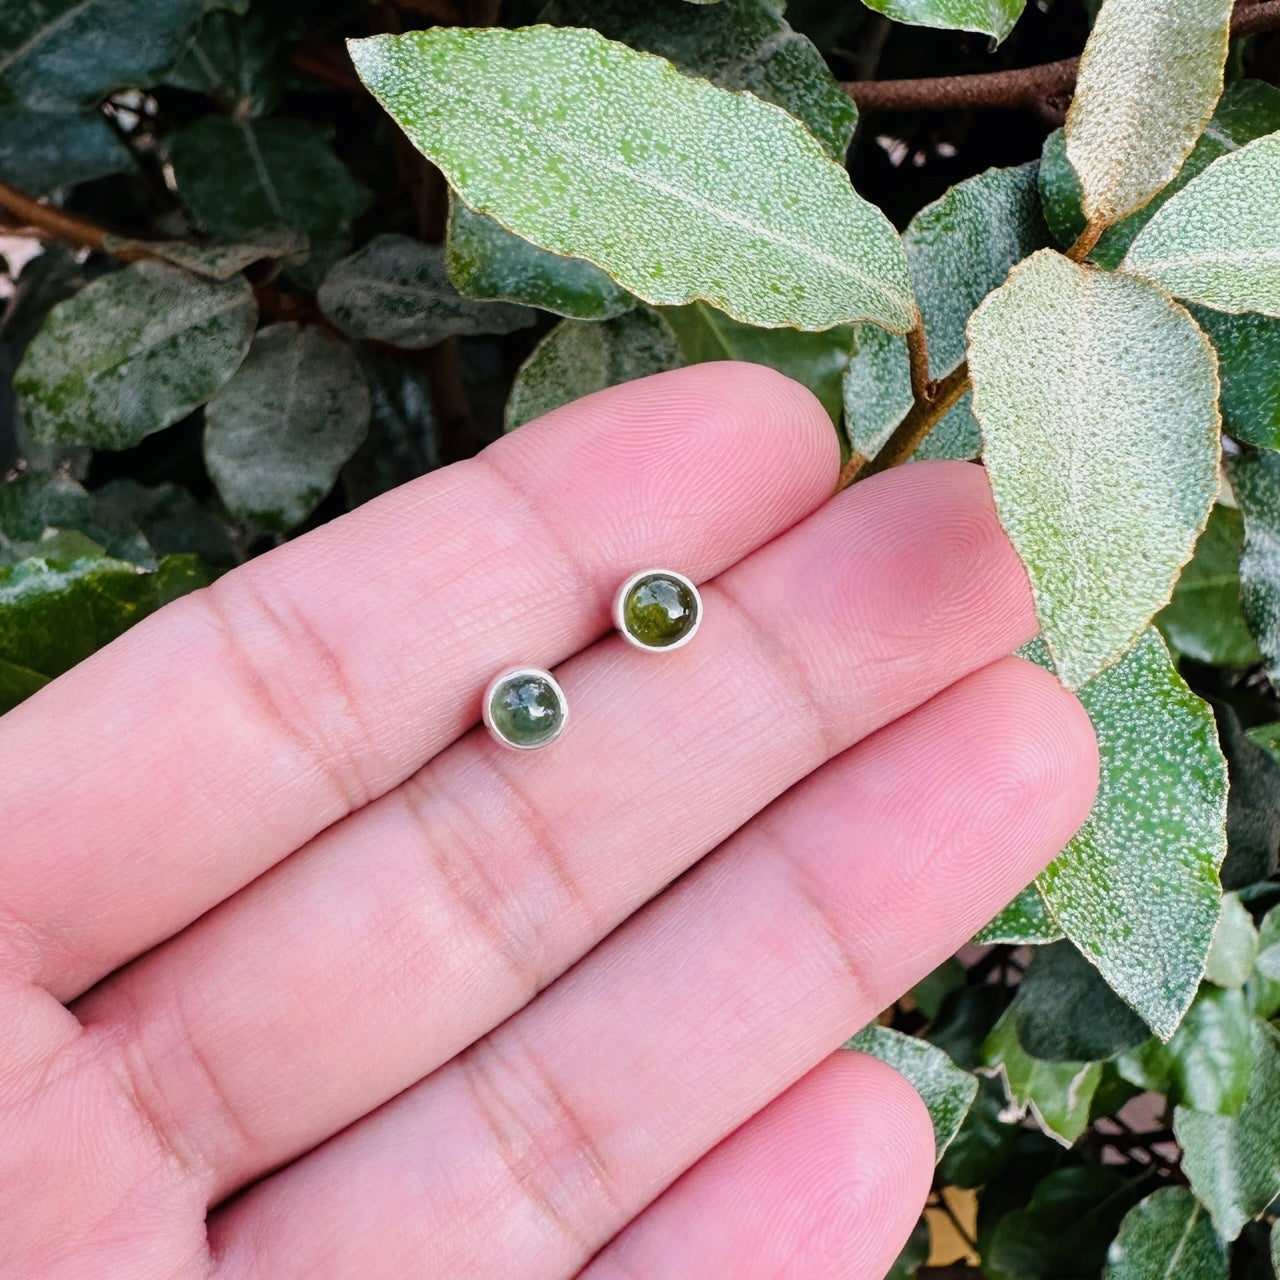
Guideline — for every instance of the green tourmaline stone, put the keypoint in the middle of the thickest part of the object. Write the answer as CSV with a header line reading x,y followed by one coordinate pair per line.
x,y
659,610
526,710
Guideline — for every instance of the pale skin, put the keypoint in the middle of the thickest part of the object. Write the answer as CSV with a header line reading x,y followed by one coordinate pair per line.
x,y
301,975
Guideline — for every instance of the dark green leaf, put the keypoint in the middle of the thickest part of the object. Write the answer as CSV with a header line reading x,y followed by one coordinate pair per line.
x,y
172,520
1025,920
1065,1012
1253,805
1248,348
233,60
1203,620
736,44
581,356
931,992
985,1142
914,1254
63,52
818,360
1167,1236
396,290
1065,1230
237,176
1256,481
277,434
948,1092
132,353
485,260
41,150
1235,946
1233,1162
17,684
958,249
965,1020
36,503
1211,1054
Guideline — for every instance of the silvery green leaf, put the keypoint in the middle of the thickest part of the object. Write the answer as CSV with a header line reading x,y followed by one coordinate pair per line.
x,y
680,190
1167,1236
1235,945
1149,79
131,353
1097,398
215,260
948,1092
1026,920
395,289
1255,478
1217,242
277,434
994,18
580,356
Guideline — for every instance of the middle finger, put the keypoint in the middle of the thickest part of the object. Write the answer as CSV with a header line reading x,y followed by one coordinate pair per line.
x,y
406,932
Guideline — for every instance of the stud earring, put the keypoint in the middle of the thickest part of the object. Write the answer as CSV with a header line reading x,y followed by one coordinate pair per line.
x,y
525,708
657,609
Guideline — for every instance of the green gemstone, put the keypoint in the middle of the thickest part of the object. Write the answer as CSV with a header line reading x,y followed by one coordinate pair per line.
x,y
658,611
526,709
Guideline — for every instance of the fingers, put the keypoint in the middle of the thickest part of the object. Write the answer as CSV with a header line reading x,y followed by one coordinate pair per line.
x,y
217,737
405,933
824,1184
561,1125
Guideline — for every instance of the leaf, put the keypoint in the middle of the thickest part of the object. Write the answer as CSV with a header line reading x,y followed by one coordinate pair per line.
x,y
578,357
1253,804
736,44
948,1092
1097,398
171,519
1025,920
278,433
1248,348
1056,1095
817,360
1167,1236
238,176
965,1020
1217,242
485,260
1233,1162
1263,987
218,261
1255,478
41,150
35,504
1203,620
1137,888
53,616
1235,946
914,1255
958,249
1149,79
1065,1012
931,992
1065,1229
395,289
994,18
1212,1054
67,52
698,194
233,60
1246,110
985,1142
131,353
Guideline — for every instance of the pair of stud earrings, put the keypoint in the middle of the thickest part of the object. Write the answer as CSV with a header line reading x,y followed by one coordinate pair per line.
x,y
655,609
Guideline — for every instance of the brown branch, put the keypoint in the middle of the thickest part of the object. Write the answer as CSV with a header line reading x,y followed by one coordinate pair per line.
x,y
55,224
1025,87
922,417
918,362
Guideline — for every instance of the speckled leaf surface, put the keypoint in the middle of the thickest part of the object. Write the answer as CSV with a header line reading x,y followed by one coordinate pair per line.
x,y
678,189
994,18
1167,1236
131,353
1025,921
1204,620
736,44
41,150
1233,1162
948,1092
1137,888
1149,79
396,289
1247,109
1097,398
220,261
1248,348
485,260
63,52
578,357
238,176
818,360
1256,481
958,249
1056,1095
277,434
1217,242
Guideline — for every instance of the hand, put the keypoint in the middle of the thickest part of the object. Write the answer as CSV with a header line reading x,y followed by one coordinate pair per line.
x,y
275,914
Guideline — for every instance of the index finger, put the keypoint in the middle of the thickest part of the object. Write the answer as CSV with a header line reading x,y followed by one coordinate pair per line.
x,y
215,738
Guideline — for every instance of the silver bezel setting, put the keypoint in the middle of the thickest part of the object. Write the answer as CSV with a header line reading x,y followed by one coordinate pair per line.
x,y
620,623
487,713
